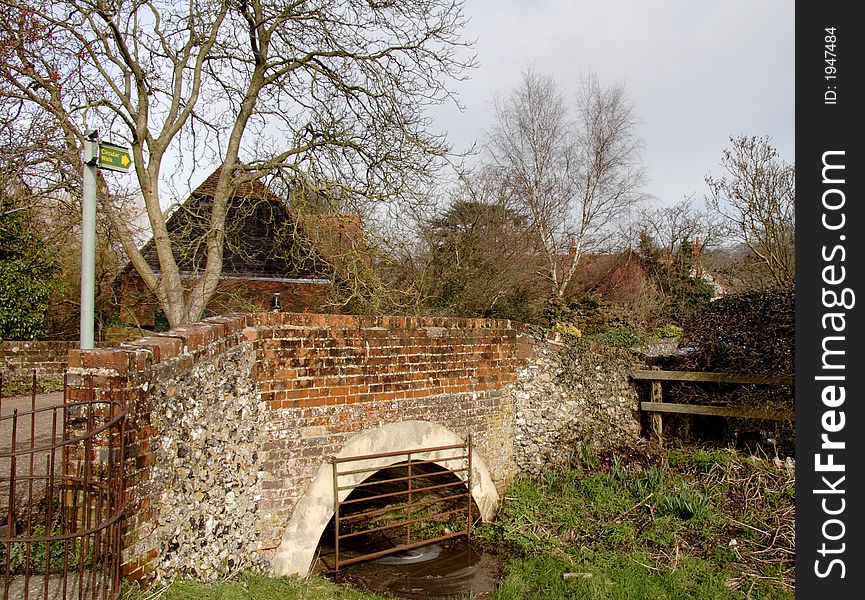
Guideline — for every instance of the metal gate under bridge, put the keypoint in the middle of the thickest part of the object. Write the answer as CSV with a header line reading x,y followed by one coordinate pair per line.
x,y
412,501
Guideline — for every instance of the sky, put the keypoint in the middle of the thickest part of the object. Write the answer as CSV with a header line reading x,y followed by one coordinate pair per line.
x,y
696,71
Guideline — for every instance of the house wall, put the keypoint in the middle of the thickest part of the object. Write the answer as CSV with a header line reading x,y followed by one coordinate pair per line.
x,y
139,307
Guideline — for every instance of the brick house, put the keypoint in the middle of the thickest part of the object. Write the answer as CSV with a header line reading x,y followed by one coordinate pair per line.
x,y
616,276
268,252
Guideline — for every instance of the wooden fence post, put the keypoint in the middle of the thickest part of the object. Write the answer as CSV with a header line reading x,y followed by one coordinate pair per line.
x,y
657,418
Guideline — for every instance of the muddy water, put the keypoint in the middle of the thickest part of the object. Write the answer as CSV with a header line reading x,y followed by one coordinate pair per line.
x,y
452,568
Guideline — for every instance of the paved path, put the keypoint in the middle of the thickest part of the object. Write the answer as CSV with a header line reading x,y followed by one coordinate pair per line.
x,y
43,419
41,424
92,587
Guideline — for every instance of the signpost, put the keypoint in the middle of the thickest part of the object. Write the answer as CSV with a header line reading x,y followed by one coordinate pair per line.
x,y
114,157
103,155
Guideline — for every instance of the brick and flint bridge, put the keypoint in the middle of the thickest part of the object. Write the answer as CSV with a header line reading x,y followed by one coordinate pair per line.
x,y
231,423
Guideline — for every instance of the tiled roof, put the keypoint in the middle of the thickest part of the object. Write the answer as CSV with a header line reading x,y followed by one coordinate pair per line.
x,y
263,238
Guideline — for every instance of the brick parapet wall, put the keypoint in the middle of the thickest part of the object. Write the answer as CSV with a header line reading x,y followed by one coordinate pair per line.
x,y
18,359
313,360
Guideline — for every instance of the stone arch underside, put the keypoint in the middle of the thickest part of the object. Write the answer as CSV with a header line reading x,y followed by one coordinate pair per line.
x,y
314,509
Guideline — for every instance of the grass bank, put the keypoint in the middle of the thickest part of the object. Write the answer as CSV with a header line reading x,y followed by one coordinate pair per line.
x,y
624,524
649,523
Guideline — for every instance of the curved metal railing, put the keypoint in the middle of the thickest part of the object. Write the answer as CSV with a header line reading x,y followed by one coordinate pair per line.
x,y
61,498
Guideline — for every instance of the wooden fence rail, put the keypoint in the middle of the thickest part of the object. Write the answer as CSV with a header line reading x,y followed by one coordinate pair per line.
x,y
657,406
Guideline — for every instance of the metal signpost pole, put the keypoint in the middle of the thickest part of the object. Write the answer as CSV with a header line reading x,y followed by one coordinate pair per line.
x,y
88,238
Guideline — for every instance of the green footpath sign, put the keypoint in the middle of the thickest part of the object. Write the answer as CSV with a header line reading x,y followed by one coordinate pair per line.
x,y
113,157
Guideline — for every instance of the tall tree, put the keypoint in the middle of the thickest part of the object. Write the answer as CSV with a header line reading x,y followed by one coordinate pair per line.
x,y
334,92
757,197
574,168
482,261
673,274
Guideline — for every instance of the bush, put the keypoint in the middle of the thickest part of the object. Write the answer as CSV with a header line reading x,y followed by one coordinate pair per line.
x,y
669,330
620,337
752,332
28,273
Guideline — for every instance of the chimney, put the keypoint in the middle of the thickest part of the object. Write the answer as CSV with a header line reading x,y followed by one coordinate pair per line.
x,y
698,267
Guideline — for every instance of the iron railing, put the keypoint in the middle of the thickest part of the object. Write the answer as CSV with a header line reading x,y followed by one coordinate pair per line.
x,y
410,501
61,482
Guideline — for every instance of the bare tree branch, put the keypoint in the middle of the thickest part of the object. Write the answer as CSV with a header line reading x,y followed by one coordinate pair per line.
x,y
757,199
574,174
331,92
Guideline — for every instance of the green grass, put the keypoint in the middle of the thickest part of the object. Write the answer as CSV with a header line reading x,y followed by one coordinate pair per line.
x,y
688,523
617,578
250,586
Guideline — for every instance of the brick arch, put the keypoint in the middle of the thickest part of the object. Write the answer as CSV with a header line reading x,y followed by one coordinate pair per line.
x,y
314,510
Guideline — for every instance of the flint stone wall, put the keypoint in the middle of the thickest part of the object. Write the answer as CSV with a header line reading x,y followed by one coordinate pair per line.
x,y
210,422
569,395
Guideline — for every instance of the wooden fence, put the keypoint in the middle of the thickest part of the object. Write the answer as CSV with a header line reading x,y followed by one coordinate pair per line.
x,y
658,407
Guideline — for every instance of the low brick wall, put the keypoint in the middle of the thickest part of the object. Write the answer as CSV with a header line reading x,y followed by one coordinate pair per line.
x,y
18,359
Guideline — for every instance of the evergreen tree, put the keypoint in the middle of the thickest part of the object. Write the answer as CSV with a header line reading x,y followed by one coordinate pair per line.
x,y
674,277
28,275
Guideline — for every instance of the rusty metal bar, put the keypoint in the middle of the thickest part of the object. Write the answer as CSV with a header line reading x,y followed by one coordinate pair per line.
x,y
397,479
409,507
10,511
404,492
382,511
395,549
417,462
29,526
396,453
401,523
336,504
469,487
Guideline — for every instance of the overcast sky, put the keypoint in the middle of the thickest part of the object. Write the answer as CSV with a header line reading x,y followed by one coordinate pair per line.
x,y
697,72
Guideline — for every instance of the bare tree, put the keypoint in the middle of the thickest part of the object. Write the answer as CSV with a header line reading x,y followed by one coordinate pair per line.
x,y
668,226
757,199
334,92
574,171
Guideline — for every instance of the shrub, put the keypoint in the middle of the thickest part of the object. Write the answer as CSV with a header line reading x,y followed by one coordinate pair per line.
x,y
28,274
752,332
